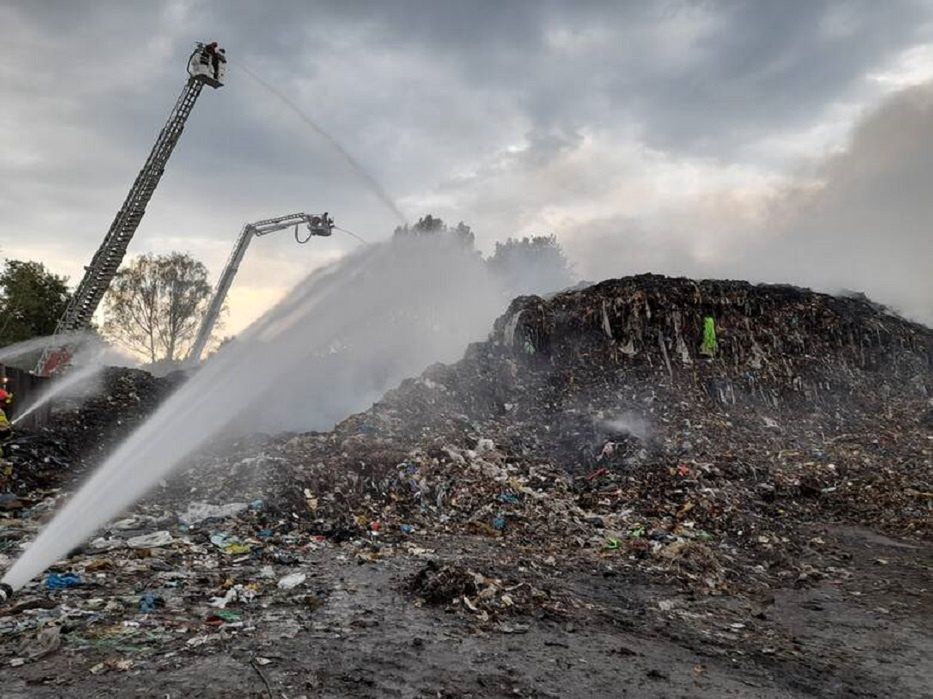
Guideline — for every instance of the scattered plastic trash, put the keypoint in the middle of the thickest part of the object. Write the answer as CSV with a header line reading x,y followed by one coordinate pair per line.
x,y
198,512
103,544
237,548
9,502
62,581
150,602
150,541
237,593
291,581
229,543
46,641
222,616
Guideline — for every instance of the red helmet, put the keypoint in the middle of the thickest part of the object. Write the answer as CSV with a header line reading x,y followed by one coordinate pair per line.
x,y
5,396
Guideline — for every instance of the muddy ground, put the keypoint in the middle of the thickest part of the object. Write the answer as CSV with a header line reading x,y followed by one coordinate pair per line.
x,y
863,634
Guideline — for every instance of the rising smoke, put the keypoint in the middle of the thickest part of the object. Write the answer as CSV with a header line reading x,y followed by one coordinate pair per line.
x,y
859,220
866,225
338,338
423,302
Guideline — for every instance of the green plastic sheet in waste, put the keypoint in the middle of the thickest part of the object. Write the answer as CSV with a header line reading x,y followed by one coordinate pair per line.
x,y
710,346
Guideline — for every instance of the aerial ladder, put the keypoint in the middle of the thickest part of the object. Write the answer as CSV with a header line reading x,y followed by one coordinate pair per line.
x,y
206,66
317,224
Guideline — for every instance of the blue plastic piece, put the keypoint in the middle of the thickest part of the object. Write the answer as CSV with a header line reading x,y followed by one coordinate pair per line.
x,y
62,581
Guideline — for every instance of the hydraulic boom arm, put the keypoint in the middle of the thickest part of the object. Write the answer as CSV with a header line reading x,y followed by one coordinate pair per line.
x,y
317,225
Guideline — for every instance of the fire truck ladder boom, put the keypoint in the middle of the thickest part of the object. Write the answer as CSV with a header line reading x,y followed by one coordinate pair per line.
x,y
100,272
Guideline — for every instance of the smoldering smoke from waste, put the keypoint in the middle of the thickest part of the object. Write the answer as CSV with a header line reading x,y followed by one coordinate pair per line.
x,y
400,305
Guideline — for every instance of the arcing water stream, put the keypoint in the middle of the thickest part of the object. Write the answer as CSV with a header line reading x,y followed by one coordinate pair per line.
x,y
86,364
74,379
354,164
377,316
37,344
338,340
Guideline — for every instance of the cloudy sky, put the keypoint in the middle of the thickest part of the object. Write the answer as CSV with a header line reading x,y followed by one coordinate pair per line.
x,y
777,141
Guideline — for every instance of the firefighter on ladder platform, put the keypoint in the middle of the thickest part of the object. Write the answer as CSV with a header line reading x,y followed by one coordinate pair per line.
x,y
208,64
215,55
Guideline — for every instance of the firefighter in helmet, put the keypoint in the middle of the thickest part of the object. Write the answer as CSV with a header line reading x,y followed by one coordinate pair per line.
x,y
6,400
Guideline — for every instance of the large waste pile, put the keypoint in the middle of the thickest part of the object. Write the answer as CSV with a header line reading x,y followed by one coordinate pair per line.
x,y
84,426
695,436
602,419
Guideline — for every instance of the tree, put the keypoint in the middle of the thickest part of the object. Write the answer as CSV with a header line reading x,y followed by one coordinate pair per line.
x,y
155,304
32,299
532,265
430,225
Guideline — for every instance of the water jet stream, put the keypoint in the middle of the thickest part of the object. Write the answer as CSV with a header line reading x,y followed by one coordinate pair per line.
x,y
60,386
340,338
354,164
36,344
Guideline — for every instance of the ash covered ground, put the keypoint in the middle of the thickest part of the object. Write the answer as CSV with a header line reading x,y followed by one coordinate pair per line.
x,y
584,505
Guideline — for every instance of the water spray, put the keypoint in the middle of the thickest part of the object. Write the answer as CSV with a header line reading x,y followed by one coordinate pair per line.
x,y
354,164
74,378
36,344
353,235
392,308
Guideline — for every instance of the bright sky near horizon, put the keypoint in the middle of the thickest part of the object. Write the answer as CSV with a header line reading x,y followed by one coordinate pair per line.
x,y
772,141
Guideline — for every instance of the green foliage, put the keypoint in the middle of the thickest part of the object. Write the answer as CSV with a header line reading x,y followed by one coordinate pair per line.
x,y
32,299
155,304
429,225
529,265
532,265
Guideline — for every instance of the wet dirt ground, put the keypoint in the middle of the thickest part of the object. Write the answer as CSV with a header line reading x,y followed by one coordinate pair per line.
x,y
863,633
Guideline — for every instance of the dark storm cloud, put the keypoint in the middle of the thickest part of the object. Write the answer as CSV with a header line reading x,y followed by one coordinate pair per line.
x,y
430,97
766,66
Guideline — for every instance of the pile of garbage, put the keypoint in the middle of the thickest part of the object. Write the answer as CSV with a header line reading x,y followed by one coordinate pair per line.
x,y
687,427
692,433
481,597
690,428
160,582
115,404
83,427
